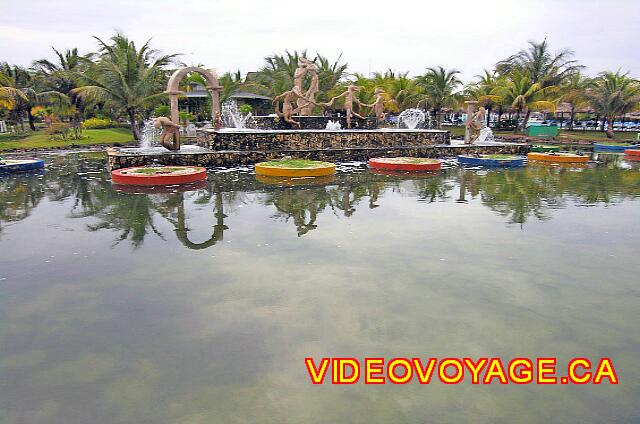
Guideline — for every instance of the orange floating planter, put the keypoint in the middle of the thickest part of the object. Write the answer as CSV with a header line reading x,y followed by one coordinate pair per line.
x,y
558,157
632,152
158,175
406,164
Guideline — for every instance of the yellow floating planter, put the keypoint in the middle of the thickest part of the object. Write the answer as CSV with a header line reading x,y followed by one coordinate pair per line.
x,y
295,168
296,181
558,157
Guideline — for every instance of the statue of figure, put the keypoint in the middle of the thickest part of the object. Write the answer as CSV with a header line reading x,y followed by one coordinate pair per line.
x,y
170,136
349,98
306,100
288,97
475,123
377,105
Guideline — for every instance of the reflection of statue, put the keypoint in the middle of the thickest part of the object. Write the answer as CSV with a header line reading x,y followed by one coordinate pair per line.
x,y
349,98
306,101
475,123
378,105
170,136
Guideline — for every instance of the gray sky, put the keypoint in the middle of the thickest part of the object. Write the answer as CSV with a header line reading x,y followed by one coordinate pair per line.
x,y
372,35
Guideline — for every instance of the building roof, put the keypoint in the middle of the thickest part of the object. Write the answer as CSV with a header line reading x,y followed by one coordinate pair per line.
x,y
247,95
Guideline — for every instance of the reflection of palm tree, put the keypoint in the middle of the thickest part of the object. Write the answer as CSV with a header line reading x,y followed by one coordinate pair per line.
x,y
432,188
302,206
131,214
18,197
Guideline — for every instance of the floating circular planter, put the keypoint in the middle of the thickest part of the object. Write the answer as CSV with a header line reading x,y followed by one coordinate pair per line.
x,y
158,175
543,148
296,181
20,165
159,189
558,157
408,175
632,153
503,161
612,148
406,164
295,168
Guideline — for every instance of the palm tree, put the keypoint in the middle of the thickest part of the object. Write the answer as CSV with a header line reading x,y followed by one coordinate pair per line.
x,y
11,96
125,77
614,94
574,92
21,90
61,75
440,86
542,66
523,95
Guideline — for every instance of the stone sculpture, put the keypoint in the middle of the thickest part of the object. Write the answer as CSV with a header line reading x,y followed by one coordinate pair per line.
x,y
170,136
306,99
349,97
475,123
287,111
377,105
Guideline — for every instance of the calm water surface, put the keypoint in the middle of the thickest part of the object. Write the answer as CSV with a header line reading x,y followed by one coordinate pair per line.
x,y
200,306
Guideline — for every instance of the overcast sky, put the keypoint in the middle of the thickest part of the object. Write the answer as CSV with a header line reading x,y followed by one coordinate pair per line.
x,y
371,35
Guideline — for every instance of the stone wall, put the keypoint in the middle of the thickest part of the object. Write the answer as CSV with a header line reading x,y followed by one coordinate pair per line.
x,y
122,158
318,140
312,123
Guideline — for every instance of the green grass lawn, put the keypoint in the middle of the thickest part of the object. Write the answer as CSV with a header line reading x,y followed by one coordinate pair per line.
x,y
40,140
628,136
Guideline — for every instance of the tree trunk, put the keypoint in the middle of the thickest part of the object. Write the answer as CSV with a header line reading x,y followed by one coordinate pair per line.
x,y
21,119
488,116
517,126
526,119
499,116
134,125
573,117
32,124
610,133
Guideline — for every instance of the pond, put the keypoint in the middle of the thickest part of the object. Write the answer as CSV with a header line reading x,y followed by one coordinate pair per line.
x,y
200,306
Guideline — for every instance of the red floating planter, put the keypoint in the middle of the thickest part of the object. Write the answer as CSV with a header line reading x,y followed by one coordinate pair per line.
x,y
632,153
406,164
158,175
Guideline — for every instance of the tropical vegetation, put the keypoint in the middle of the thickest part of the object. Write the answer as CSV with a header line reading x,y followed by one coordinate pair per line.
x,y
123,83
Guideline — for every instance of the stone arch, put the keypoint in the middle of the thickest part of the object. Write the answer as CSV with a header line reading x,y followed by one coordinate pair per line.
x,y
213,87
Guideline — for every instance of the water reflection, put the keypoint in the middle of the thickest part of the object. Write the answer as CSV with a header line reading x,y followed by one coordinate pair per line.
x,y
132,213
108,318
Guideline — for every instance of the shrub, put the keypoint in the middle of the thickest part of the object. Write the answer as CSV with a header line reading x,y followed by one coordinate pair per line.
x,y
62,131
245,109
97,123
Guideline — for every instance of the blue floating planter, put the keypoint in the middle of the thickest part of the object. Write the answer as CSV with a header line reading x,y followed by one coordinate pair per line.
x,y
611,148
20,165
485,160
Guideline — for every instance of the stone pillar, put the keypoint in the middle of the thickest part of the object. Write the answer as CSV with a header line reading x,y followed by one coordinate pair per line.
x,y
173,101
214,92
471,105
